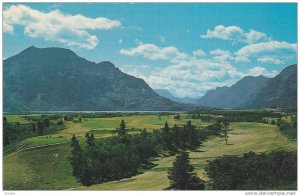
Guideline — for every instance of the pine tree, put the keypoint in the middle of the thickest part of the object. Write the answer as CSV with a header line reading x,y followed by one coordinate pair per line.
x,y
182,175
122,132
193,138
90,139
76,157
40,127
167,137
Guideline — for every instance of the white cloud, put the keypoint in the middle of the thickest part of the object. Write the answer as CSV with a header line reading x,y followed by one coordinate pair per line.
x,y
153,52
221,55
190,77
265,47
235,34
257,71
199,53
242,59
271,59
70,30
219,52
254,36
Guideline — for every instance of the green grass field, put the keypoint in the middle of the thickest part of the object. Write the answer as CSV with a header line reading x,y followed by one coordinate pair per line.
x,y
48,168
16,118
145,121
39,169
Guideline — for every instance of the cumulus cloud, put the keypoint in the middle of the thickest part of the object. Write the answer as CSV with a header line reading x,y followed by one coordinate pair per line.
x,y
257,71
265,52
221,55
190,77
242,59
199,53
271,60
265,47
234,33
153,52
70,30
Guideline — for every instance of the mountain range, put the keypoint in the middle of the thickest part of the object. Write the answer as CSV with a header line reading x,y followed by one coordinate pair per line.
x,y
256,92
165,93
56,79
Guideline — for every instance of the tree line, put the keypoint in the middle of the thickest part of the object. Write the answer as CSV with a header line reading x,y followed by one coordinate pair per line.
x,y
276,170
235,115
41,125
122,155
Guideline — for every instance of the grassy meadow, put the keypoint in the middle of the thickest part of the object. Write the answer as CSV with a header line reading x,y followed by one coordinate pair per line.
x,y
42,163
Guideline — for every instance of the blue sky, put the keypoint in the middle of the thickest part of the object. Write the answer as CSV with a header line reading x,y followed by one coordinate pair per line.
x,y
184,48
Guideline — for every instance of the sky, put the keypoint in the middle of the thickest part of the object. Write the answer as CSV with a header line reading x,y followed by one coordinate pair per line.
x,y
186,48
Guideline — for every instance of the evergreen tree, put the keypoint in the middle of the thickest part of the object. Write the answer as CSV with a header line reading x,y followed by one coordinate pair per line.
x,y
166,129
192,134
122,132
273,122
76,158
182,175
167,137
177,117
40,127
90,139
46,122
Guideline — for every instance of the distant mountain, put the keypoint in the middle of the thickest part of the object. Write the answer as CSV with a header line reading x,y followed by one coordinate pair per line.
x,y
56,79
165,93
234,96
280,91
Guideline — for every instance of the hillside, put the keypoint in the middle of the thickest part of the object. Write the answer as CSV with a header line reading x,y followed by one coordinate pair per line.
x,y
280,91
232,97
256,92
56,79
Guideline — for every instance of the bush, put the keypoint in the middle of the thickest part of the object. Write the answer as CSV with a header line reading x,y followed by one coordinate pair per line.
x,y
253,171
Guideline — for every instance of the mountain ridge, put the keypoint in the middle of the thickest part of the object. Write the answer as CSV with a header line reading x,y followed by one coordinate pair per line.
x,y
57,79
167,94
256,92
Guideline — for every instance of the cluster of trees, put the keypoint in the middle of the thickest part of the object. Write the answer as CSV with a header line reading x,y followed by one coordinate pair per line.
x,y
122,155
254,171
203,117
43,116
37,125
288,128
14,130
115,158
40,125
239,115
180,138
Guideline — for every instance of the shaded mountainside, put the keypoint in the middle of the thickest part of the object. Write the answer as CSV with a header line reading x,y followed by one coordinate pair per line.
x,y
234,96
56,79
256,92
165,93
280,91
